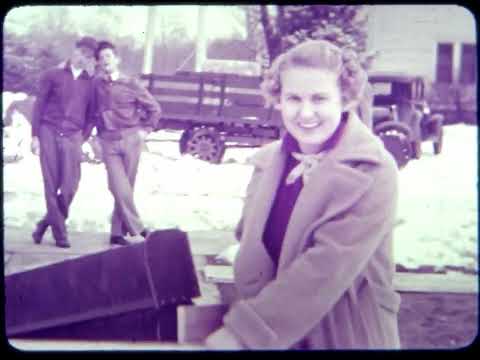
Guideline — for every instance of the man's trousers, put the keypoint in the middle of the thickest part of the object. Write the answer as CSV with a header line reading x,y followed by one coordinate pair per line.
x,y
60,161
121,158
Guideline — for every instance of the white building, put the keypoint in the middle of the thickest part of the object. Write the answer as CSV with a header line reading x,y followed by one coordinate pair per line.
x,y
435,41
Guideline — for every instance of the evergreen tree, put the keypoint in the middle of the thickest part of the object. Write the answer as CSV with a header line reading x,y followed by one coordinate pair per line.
x,y
286,26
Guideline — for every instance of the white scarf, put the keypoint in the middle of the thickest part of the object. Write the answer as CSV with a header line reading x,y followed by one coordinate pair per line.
x,y
307,163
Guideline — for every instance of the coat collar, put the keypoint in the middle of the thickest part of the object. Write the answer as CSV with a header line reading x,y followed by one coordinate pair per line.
x,y
358,143
355,145
67,66
120,77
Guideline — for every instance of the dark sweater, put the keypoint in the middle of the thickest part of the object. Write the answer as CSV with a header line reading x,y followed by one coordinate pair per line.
x,y
63,102
287,195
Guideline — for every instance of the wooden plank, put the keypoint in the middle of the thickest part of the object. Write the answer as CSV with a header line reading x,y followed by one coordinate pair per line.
x,y
219,274
251,91
174,92
244,99
193,93
170,109
244,111
196,322
243,81
174,115
175,98
210,110
80,345
175,85
232,80
163,94
451,282
175,78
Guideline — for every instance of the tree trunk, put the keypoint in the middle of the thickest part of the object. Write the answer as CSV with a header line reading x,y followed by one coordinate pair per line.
x,y
272,37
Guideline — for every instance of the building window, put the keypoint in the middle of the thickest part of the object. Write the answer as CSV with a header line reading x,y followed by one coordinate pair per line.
x,y
468,66
444,62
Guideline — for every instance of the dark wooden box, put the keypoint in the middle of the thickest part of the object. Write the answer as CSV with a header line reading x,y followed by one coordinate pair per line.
x,y
124,293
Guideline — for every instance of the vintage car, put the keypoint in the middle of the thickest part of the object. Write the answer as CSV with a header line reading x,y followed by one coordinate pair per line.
x,y
401,116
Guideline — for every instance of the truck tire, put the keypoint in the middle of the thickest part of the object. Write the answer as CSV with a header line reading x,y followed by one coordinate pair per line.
x,y
396,138
203,143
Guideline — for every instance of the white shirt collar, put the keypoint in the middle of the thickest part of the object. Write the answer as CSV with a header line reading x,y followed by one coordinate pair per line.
x,y
75,72
115,75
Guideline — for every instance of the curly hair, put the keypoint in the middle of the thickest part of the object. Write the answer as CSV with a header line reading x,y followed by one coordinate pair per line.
x,y
318,54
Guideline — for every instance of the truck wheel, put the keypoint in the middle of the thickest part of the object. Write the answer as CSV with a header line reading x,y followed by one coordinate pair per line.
x,y
204,144
396,138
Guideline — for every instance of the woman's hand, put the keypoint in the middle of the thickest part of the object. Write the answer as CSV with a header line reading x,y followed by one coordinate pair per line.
x,y
143,134
35,145
223,339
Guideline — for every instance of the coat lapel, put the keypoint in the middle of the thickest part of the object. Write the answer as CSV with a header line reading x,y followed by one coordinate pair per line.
x,y
334,186
252,254
272,162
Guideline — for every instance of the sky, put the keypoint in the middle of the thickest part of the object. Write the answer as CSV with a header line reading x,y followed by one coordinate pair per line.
x,y
220,21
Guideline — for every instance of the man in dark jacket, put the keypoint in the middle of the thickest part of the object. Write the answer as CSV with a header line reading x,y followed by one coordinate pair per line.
x,y
125,112
61,123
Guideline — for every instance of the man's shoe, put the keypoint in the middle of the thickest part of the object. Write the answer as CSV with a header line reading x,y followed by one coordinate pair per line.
x,y
145,233
62,243
40,230
119,240
136,239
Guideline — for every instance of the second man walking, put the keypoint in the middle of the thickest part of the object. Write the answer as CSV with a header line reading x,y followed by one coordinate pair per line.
x,y
119,101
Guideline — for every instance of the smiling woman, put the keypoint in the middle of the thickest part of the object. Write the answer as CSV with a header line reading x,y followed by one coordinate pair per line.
x,y
316,229
311,106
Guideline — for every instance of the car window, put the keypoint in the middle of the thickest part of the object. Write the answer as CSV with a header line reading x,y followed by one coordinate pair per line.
x,y
382,88
403,91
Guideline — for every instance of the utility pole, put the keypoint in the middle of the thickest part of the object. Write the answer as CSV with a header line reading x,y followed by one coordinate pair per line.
x,y
201,43
149,41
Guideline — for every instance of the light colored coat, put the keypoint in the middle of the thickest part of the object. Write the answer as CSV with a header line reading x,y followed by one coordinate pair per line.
x,y
334,287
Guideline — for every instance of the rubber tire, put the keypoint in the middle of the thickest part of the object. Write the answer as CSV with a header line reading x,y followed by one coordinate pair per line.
x,y
210,132
399,145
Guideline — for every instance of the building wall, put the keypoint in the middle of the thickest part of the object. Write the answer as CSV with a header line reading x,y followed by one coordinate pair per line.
x,y
407,36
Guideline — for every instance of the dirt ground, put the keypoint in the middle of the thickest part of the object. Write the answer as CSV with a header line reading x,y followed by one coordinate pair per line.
x,y
438,321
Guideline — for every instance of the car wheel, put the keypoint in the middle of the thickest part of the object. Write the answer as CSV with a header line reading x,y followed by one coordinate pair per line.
x,y
396,138
203,143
